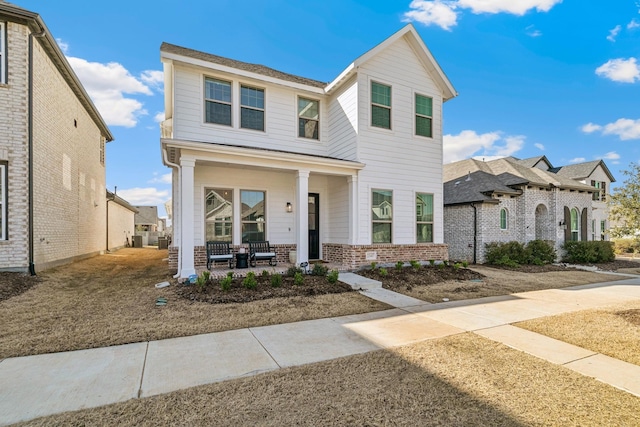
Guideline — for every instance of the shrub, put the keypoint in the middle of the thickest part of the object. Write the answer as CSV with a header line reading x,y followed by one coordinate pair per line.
x,y
332,277
626,246
374,265
465,264
319,270
399,265
250,281
432,262
225,283
298,279
540,252
457,266
510,253
276,280
446,263
291,271
588,252
415,264
265,273
383,272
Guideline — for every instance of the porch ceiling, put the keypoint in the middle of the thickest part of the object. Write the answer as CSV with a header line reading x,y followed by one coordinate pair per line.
x,y
205,153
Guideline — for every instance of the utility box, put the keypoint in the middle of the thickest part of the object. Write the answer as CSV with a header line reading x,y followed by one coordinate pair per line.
x,y
163,243
137,241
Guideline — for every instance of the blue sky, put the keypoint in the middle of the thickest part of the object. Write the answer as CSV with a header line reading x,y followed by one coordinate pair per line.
x,y
534,77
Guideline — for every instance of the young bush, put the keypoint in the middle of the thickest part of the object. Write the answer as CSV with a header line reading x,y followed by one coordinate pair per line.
x,y
374,265
415,264
265,273
276,280
383,272
432,262
465,264
291,271
319,270
250,281
298,279
332,277
225,283
399,265
540,252
510,253
626,246
588,252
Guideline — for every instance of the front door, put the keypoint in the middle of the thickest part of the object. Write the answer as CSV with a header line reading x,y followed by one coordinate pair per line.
x,y
314,226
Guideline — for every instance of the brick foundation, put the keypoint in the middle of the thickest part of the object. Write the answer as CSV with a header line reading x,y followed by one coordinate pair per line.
x,y
356,256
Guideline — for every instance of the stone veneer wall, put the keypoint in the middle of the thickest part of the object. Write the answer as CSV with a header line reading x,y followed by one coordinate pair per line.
x,y
200,254
356,256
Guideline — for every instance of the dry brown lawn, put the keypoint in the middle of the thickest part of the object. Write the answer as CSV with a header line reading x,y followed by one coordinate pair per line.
x,y
614,331
110,299
463,380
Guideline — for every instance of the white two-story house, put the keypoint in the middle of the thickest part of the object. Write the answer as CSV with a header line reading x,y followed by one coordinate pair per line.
x,y
348,171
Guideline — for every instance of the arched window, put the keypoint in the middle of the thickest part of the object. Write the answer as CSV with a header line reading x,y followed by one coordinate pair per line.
x,y
575,225
504,219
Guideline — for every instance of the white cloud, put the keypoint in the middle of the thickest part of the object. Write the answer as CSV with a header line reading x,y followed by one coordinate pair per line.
x,y
532,32
626,129
633,25
106,84
539,146
577,160
437,12
590,128
488,145
162,179
153,78
145,196
612,156
620,70
64,46
159,117
614,33
519,7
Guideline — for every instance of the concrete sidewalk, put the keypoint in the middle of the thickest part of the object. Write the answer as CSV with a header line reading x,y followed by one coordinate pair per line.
x,y
35,386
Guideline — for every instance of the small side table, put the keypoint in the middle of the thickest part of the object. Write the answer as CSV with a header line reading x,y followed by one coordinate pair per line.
x,y
242,260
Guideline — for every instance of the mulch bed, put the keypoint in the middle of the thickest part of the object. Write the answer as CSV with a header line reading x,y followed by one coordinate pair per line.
x,y
14,284
212,292
408,277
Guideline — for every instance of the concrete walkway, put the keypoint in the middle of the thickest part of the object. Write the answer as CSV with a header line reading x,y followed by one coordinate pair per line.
x,y
35,386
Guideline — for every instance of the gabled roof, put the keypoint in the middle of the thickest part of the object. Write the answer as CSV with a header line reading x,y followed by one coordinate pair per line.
x,y
50,46
119,200
477,187
239,65
533,162
581,171
424,55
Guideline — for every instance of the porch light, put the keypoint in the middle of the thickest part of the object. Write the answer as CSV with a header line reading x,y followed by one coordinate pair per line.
x,y
289,207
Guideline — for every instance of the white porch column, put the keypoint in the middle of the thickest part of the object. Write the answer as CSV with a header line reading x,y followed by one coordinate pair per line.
x,y
353,209
302,216
187,266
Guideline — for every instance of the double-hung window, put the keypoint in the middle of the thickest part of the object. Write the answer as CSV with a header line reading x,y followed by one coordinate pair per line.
x,y
3,53
380,105
424,116
602,194
381,214
218,214
253,215
575,225
251,108
424,217
308,118
217,100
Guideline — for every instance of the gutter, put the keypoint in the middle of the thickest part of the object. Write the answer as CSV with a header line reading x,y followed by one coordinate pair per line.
x,y
475,232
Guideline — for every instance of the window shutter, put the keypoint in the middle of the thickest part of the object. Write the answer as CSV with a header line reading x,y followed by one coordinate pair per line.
x,y
567,224
583,225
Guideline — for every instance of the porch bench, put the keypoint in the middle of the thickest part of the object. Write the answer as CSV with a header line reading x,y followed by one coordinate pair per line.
x,y
261,250
219,252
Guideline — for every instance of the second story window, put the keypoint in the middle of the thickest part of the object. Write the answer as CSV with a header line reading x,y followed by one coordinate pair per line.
x,y
3,58
380,105
251,108
424,116
217,99
602,194
308,118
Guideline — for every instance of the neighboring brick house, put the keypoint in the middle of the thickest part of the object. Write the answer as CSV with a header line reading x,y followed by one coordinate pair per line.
x,y
52,146
348,171
512,200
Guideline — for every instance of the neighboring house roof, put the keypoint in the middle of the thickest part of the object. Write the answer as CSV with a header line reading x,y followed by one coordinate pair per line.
x,y
533,162
477,187
122,202
409,32
581,171
48,42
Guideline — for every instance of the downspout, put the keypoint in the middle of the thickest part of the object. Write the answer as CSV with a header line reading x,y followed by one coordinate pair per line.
x,y
115,189
175,166
32,267
475,231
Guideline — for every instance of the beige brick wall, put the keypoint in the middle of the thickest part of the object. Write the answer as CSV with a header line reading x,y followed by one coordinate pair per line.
x,y
69,180
121,226
13,149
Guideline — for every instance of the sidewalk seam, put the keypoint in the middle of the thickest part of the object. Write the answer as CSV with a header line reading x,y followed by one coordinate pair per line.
x,y
144,365
586,357
265,349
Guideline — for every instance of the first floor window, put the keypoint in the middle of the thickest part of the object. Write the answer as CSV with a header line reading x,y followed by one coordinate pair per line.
x,y
218,214
593,229
381,214
308,118
575,225
217,100
603,229
3,59
504,219
253,215
251,108
424,218
3,201
424,116
380,105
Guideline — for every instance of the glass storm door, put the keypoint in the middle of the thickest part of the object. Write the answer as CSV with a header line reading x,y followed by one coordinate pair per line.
x,y
314,226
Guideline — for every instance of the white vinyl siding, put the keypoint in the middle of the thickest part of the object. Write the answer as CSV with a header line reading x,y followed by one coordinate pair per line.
x,y
343,122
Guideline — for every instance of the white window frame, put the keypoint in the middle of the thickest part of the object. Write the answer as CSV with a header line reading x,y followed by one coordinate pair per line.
x,y
299,117
3,200
419,214
416,115
372,104
382,221
3,53
263,109
216,101
506,219
577,224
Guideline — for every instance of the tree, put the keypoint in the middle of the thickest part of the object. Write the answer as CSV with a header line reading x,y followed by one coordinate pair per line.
x,y
624,206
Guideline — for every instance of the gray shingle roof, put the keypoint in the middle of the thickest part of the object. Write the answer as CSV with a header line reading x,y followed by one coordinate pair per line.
x,y
244,66
477,186
582,170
